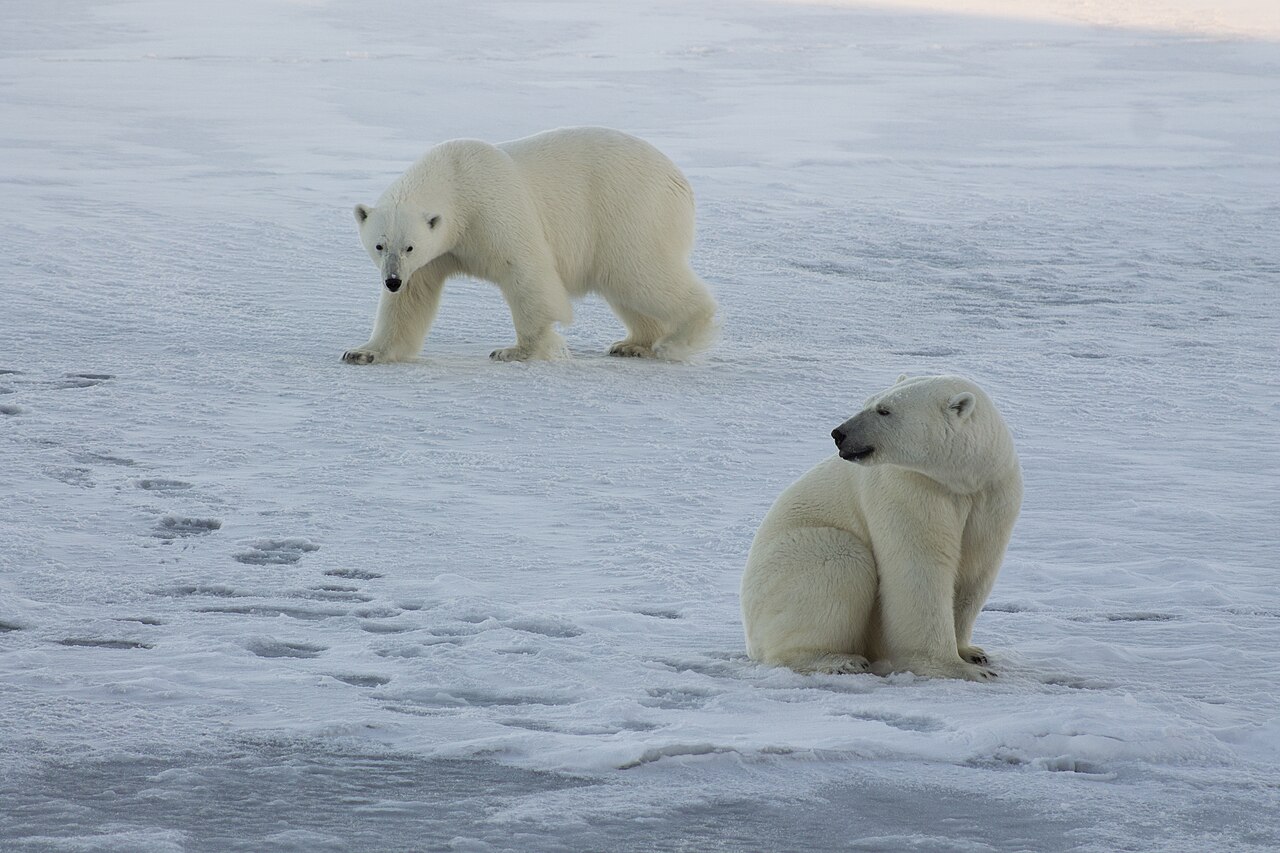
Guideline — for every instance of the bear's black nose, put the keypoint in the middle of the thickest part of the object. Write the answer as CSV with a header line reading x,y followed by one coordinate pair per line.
x,y
838,435
393,284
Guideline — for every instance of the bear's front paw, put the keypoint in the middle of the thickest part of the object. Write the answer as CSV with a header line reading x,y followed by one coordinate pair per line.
x,y
977,673
840,664
359,356
974,654
627,350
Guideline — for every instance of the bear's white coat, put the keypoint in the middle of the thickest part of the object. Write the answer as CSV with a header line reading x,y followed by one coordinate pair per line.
x,y
546,218
887,551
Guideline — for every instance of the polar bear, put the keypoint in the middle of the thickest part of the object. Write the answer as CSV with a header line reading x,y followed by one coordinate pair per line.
x,y
887,551
546,218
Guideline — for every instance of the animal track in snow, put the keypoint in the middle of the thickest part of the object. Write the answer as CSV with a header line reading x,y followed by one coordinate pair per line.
x,y
325,593
660,613
275,552
363,680
547,626
82,380
215,590
159,484
94,458
181,526
269,647
383,628
273,610
462,697
677,699
91,642
902,722
353,574
1124,617
72,476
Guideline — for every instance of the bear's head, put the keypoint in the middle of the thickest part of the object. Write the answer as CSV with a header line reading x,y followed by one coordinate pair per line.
x,y
944,427
401,240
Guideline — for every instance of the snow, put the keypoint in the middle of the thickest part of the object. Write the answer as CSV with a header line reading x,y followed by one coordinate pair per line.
x,y
252,598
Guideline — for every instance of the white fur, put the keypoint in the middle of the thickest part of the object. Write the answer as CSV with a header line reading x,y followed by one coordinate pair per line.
x,y
547,218
889,559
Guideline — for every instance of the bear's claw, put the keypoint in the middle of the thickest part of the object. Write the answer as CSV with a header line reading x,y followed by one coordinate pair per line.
x,y
357,356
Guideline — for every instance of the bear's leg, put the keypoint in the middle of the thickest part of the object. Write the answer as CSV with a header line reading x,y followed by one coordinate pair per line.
x,y
917,612
536,302
977,576
642,332
674,298
403,320
807,599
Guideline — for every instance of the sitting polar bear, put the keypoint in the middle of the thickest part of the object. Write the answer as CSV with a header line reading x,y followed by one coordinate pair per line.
x,y
546,218
887,552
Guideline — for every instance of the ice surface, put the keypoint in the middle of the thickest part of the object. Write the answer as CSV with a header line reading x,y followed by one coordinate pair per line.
x,y
253,598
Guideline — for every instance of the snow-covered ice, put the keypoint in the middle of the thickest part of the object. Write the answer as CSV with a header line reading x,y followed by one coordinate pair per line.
x,y
252,598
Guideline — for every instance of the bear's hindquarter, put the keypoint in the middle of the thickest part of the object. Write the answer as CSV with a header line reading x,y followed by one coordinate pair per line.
x,y
607,203
825,496
810,573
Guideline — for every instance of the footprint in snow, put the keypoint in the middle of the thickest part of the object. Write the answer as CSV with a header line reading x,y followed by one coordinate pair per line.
x,y
180,526
157,484
91,458
270,647
275,552
82,380
271,611
353,574
363,680
676,699
91,642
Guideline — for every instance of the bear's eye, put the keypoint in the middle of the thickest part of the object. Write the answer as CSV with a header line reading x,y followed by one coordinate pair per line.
x,y
408,249
378,247
882,411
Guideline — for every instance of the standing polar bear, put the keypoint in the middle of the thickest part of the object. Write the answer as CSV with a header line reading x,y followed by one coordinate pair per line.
x,y
546,218
887,552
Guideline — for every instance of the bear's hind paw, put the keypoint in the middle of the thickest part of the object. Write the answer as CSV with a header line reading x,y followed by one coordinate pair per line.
x,y
974,654
510,354
628,350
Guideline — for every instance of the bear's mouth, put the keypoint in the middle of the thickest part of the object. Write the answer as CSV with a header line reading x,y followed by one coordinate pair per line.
x,y
857,454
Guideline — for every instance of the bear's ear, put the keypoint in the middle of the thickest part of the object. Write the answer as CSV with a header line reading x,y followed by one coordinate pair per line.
x,y
362,213
433,220
961,405
902,377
